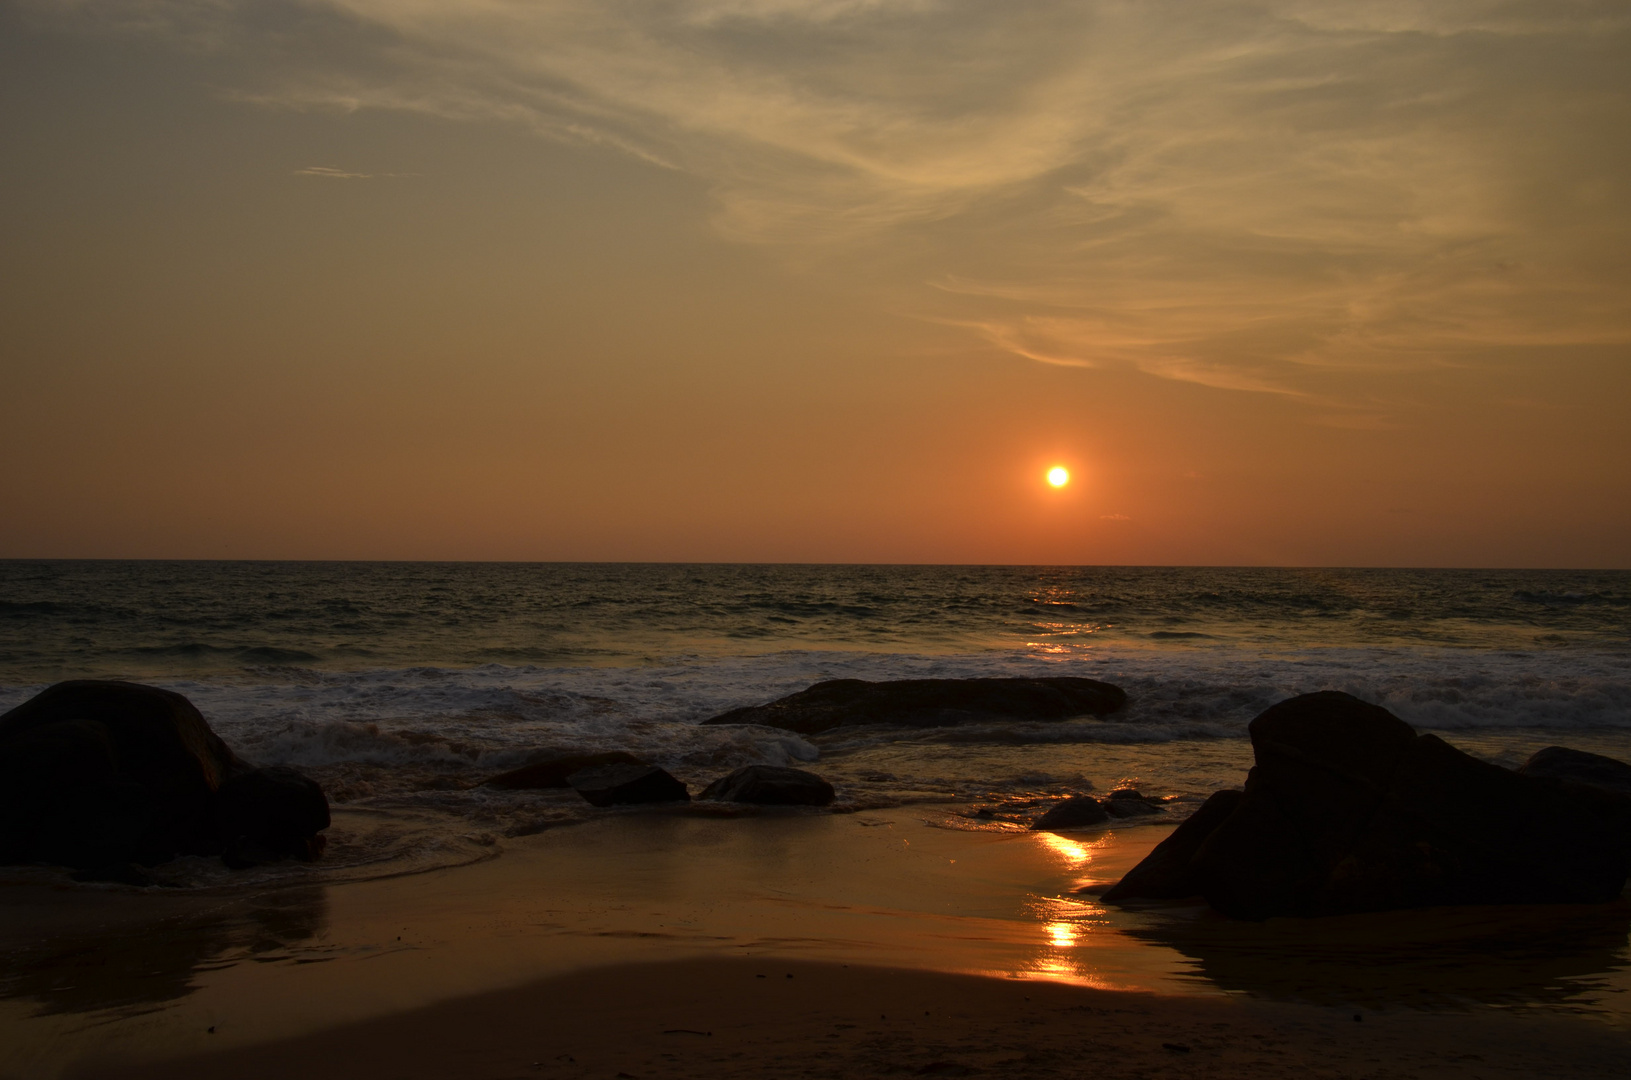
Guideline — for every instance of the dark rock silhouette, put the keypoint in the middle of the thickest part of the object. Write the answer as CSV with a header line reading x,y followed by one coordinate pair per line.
x,y
1347,810
1130,804
122,961
622,785
270,814
1165,872
1084,811
770,785
1079,812
1580,767
552,773
930,703
100,775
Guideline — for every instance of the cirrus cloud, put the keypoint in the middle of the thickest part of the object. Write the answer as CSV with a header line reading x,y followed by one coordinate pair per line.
x,y
1251,196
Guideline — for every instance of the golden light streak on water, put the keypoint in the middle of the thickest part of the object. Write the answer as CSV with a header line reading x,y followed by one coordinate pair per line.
x,y
1074,854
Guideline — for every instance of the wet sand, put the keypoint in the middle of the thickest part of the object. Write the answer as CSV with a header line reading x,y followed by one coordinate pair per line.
x,y
608,944
754,1018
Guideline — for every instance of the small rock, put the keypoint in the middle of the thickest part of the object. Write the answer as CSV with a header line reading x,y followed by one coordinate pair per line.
x,y
552,773
771,785
1079,812
623,785
1137,806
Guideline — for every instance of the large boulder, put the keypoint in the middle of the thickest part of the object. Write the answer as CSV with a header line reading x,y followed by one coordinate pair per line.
x,y
96,774
770,785
552,772
1347,809
624,785
930,703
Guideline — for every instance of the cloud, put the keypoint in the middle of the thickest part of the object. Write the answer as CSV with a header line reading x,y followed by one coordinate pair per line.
x,y
1253,197
331,173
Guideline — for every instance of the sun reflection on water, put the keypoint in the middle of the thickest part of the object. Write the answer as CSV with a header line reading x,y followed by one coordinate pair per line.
x,y
1072,852
1068,926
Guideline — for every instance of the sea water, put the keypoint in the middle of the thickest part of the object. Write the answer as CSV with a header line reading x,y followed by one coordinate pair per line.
x,y
401,686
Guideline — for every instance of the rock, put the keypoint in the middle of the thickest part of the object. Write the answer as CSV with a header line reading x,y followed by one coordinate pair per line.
x,y
1347,809
1079,812
770,785
1165,872
100,774
1580,767
1120,806
106,772
552,773
275,808
620,785
930,703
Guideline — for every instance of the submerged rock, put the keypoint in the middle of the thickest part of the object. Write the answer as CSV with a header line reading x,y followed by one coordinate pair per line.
x,y
553,772
930,703
97,775
1347,809
770,785
624,784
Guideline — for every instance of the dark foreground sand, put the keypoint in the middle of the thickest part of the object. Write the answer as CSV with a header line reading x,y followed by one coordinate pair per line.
x,y
754,1018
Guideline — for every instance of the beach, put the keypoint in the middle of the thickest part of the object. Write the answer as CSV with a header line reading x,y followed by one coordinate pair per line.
x,y
453,928
601,949
753,1018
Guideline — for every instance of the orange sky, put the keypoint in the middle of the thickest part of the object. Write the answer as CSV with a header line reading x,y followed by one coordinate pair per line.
x,y
833,280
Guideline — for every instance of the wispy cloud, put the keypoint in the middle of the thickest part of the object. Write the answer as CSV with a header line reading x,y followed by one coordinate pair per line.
x,y
1247,196
331,173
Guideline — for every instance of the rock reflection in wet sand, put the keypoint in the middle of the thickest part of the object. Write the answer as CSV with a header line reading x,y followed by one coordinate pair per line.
x,y
142,959
1555,955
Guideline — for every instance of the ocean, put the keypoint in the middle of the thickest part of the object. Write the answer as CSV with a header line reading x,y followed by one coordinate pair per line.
x,y
400,686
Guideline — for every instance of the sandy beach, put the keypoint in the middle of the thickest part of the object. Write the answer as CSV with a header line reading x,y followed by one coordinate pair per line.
x,y
750,1018
913,948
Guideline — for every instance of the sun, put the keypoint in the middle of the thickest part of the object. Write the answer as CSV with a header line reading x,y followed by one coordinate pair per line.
x,y
1058,476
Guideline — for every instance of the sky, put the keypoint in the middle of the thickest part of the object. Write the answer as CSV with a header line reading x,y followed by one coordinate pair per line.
x,y
1280,283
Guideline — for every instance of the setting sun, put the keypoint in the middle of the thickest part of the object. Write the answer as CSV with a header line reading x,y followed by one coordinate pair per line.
x,y
1058,476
